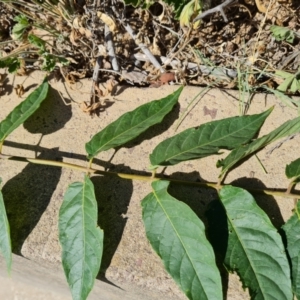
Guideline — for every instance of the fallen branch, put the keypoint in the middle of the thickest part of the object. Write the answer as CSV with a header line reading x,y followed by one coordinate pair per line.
x,y
111,49
219,72
144,48
219,8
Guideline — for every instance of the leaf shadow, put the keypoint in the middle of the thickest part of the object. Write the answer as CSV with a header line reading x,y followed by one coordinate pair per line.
x,y
211,212
31,86
113,195
51,116
27,196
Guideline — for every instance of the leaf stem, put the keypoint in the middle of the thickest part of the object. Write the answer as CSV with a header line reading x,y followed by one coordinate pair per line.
x,y
150,177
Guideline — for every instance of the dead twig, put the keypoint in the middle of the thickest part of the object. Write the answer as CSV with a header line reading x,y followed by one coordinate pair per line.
x,y
111,49
219,8
144,48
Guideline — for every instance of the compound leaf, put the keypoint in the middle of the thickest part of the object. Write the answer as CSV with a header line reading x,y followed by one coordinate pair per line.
x,y
208,139
255,249
131,124
5,242
292,229
288,128
23,111
80,238
178,237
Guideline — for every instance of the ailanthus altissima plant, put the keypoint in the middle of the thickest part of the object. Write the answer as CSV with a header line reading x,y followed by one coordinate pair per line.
x,y
255,250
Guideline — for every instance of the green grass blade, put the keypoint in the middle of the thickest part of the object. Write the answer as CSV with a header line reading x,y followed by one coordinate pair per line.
x,y
208,139
255,249
131,124
178,237
5,242
80,238
292,229
288,128
23,111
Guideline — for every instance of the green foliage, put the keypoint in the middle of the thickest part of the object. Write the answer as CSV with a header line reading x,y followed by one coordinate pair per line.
x,y
286,100
49,60
23,111
291,81
5,242
255,250
185,251
20,28
235,156
131,124
19,32
80,238
208,139
282,33
292,229
38,42
292,170
190,10
12,63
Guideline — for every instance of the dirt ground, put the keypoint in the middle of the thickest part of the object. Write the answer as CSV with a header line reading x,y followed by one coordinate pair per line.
x,y
59,132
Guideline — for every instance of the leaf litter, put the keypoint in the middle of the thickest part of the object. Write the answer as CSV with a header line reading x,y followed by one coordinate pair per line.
x,y
260,38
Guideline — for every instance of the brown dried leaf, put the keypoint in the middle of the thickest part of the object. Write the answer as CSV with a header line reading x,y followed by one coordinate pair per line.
x,y
74,36
89,108
110,84
22,70
107,20
76,23
73,76
2,82
19,89
134,76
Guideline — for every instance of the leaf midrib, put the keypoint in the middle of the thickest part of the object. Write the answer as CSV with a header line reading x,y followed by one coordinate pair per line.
x,y
255,148
210,142
243,246
177,234
12,124
131,128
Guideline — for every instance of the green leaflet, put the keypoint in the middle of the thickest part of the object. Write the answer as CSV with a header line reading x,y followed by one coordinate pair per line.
x,y
286,100
292,170
178,237
131,124
23,111
208,139
292,229
287,128
5,242
255,249
80,238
